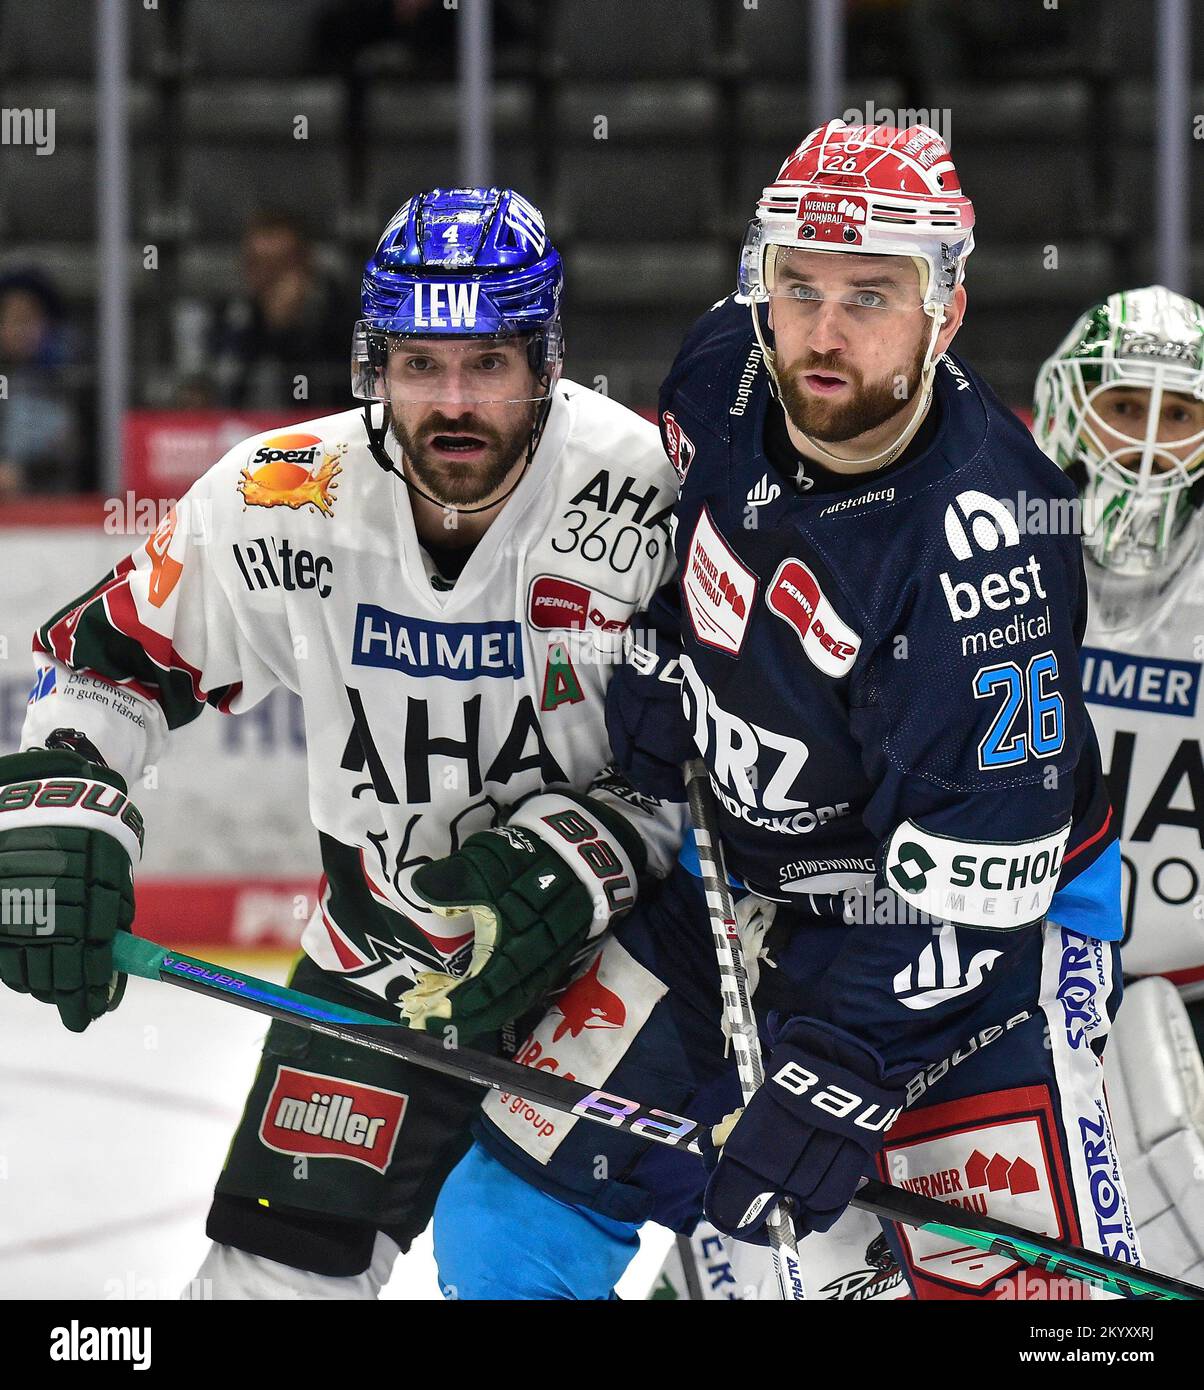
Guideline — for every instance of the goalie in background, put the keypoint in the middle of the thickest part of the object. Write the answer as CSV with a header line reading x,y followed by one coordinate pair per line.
x,y
1120,407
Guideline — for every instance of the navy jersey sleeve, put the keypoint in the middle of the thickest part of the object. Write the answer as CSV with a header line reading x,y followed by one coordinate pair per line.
x,y
648,732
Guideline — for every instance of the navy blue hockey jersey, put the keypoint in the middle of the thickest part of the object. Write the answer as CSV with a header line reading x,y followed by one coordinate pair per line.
x,y
882,677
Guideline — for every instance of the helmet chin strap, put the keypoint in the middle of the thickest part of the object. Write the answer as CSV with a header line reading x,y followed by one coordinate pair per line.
x,y
893,450
377,435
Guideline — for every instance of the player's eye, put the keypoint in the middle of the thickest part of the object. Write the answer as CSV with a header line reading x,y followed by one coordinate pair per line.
x,y
805,292
419,364
869,299
494,362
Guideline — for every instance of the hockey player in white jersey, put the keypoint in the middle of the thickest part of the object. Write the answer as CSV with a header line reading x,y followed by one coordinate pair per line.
x,y
1120,406
443,575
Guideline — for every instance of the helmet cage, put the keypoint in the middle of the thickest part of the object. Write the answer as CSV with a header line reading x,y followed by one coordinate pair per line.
x,y
1136,490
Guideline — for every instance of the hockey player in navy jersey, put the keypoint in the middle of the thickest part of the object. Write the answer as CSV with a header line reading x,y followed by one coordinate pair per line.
x,y
879,666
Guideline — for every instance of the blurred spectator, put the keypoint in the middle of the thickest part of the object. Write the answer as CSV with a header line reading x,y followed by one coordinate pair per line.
x,y
418,34
966,40
197,391
41,439
291,320
412,36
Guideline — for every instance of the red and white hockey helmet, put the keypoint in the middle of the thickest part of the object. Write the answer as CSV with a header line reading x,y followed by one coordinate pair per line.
x,y
875,190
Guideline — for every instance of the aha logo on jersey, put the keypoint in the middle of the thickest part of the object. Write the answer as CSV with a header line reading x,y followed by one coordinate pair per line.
x,y
291,470
795,597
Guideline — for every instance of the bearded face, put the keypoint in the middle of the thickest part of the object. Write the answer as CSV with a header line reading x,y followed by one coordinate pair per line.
x,y
463,414
851,337
462,460
834,414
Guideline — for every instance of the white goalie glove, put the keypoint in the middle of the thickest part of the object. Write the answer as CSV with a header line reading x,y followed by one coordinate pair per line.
x,y
1155,1085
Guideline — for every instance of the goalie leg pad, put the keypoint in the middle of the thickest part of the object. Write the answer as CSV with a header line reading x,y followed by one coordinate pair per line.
x,y
1155,1082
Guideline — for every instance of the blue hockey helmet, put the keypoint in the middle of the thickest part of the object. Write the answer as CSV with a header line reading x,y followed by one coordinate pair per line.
x,y
461,263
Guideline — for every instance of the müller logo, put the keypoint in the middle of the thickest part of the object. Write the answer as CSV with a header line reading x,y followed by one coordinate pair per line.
x,y
326,1117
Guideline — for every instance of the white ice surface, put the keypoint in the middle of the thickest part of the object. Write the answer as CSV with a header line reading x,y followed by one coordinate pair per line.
x,y
110,1143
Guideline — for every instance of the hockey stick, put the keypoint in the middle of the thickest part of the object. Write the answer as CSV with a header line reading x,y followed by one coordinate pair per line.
x,y
737,1007
136,956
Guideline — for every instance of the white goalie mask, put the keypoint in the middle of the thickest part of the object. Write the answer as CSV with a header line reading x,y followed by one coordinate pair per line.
x,y
1120,407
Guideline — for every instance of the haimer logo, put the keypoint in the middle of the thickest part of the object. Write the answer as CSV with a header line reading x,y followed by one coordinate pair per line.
x,y
1158,684
459,651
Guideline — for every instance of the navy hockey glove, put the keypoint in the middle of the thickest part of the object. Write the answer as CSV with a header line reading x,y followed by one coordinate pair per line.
x,y
538,889
647,730
810,1133
68,835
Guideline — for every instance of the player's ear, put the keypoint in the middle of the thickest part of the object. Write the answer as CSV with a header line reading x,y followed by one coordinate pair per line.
x,y
955,311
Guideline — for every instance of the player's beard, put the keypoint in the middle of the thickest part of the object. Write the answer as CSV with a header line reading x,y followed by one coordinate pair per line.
x,y
467,484
869,406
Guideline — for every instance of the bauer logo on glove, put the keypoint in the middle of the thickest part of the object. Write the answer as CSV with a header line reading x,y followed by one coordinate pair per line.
x,y
68,836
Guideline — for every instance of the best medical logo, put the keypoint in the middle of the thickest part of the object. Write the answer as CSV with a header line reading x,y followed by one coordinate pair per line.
x,y
1003,591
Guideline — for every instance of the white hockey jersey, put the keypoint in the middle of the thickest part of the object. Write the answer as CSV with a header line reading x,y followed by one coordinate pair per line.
x,y
429,708
1142,658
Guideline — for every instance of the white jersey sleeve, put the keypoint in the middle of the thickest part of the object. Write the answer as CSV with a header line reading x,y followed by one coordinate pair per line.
x,y
155,641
